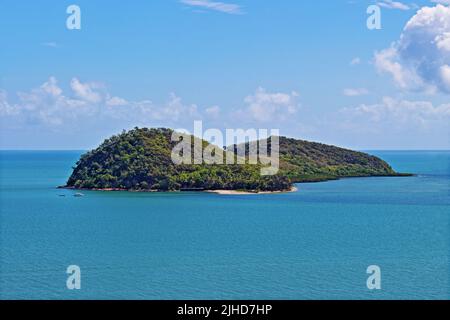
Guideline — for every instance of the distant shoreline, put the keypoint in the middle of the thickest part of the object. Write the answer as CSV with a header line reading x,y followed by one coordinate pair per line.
x,y
236,192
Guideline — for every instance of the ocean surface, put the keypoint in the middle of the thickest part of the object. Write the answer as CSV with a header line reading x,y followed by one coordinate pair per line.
x,y
315,243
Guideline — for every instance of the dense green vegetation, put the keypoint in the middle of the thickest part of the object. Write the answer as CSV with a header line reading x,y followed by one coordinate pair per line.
x,y
303,161
140,159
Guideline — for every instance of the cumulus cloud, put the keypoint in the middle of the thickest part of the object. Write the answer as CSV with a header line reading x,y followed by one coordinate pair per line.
x,y
391,111
87,104
87,91
48,106
385,61
229,8
116,101
445,74
5,108
264,106
390,4
419,60
391,123
175,109
51,87
354,92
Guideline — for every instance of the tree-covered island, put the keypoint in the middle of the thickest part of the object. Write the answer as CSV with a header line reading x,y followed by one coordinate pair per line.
x,y
140,160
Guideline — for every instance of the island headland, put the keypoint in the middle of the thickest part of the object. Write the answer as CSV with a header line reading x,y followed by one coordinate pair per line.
x,y
140,160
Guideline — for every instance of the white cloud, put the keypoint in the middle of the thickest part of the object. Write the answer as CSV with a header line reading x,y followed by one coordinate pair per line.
x,y
175,109
5,108
3,99
445,75
263,106
116,101
48,109
48,106
354,92
146,112
87,104
387,61
355,61
86,91
229,8
443,41
390,4
391,123
417,59
398,112
213,112
51,87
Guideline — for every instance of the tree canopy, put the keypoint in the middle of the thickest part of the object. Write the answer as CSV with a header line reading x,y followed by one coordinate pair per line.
x,y
140,159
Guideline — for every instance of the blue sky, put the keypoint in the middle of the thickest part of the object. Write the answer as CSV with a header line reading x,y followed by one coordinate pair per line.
x,y
310,68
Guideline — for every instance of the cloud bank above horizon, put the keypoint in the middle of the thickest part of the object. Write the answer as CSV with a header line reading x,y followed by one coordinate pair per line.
x,y
47,108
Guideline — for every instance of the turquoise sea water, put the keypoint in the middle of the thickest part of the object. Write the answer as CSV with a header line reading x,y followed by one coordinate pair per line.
x,y
312,244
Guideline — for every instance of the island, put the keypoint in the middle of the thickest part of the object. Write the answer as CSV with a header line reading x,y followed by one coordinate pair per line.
x,y
141,160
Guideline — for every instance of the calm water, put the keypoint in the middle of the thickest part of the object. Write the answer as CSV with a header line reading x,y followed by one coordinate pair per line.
x,y
312,244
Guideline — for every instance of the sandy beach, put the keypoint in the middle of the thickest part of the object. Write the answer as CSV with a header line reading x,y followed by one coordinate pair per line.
x,y
233,192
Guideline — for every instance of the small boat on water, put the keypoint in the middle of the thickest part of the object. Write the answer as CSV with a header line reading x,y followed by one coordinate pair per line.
x,y
78,194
